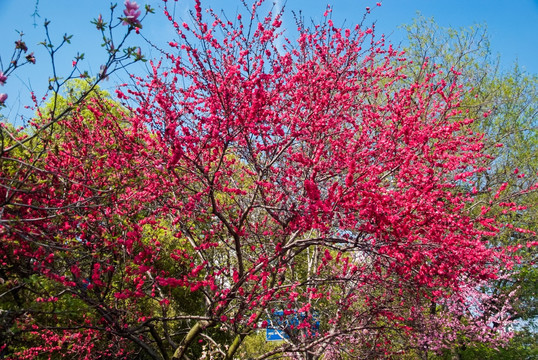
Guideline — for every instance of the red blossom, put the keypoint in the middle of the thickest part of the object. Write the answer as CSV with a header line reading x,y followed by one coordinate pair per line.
x,y
245,176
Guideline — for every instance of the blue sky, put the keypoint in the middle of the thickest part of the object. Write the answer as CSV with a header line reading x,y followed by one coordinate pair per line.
x,y
512,26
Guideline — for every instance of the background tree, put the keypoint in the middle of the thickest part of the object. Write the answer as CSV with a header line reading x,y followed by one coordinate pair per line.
x,y
504,106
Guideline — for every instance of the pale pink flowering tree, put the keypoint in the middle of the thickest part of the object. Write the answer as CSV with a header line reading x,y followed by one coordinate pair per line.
x,y
470,316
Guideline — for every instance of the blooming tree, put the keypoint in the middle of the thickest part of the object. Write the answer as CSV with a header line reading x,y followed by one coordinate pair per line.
x,y
509,97
250,177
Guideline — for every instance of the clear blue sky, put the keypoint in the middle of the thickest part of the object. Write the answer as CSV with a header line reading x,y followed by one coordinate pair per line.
x,y
512,26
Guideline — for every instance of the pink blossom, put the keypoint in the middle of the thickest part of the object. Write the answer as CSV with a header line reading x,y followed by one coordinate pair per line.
x,y
131,12
21,45
3,98
99,23
3,78
30,58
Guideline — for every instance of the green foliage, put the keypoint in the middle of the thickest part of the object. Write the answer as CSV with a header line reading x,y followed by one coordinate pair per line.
x,y
521,347
255,345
